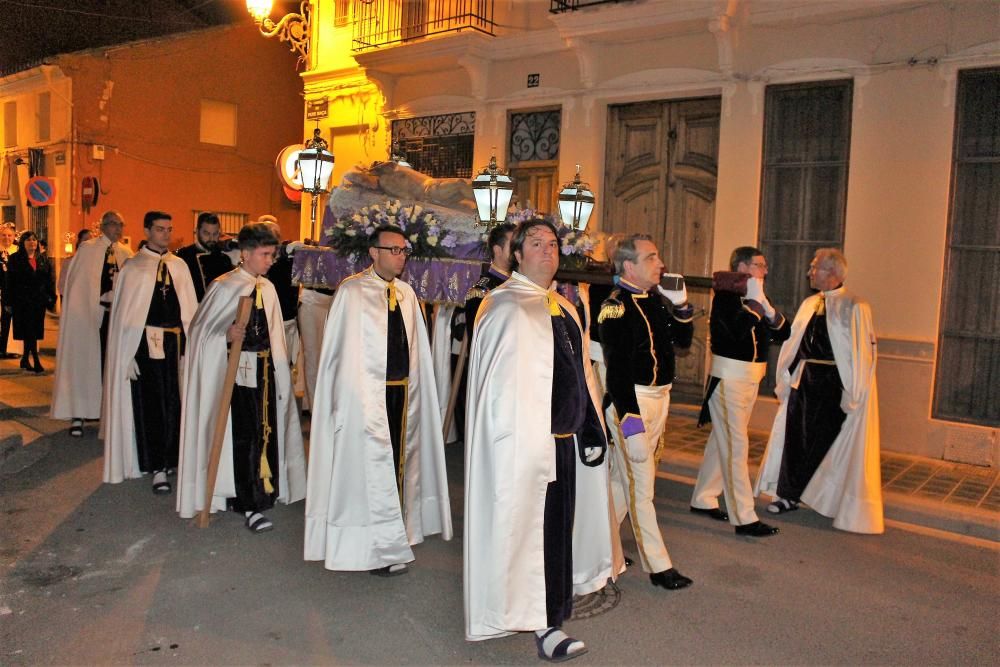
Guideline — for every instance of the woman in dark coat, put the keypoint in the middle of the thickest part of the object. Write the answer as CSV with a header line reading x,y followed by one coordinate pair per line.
x,y
31,285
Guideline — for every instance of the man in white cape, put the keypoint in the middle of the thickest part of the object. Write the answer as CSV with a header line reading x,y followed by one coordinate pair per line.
x,y
377,479
154,301
528,547
80,352
824,445
243,483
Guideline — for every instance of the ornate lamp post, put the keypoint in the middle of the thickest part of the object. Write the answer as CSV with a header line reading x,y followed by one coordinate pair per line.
x,y
576,203
493,189
315,166
292,28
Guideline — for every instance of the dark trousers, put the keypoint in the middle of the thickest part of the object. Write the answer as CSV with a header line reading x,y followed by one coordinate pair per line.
x,y
560,502
254,418
4,330
104,335
396,399
812,423
156,405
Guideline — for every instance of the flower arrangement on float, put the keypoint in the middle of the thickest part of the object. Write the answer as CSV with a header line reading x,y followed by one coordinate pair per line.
x,y
350,235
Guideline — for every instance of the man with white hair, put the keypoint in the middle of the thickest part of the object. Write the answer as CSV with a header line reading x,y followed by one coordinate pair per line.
x,y
824,445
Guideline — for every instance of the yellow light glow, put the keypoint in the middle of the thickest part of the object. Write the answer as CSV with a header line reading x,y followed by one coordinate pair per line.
x,y
259,9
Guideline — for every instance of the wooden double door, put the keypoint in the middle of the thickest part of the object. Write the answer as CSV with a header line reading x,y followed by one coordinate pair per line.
x,y
660,179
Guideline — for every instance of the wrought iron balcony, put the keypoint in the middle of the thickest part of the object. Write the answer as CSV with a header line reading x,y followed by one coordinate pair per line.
x,y
383,22
559,6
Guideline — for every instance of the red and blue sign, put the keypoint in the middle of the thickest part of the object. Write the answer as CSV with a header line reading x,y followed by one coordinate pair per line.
x,y
41,191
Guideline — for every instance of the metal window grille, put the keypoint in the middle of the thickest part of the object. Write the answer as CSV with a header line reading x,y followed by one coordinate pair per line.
x,y
534,135
967,376
383,22
439,146
559,6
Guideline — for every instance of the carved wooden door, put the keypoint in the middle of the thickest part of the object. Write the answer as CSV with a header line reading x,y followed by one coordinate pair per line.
x,y
660,179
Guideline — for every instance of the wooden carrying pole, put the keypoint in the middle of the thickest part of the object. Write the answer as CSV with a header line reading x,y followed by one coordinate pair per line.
x,y
222,410
456,382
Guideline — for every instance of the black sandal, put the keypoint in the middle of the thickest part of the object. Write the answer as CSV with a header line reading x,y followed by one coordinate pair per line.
x,y
393,570
560,652
258,523
76,429
782,506
161,486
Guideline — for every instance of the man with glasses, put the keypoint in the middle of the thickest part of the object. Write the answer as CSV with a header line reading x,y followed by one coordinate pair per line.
x,y
743,324
377,481
83,325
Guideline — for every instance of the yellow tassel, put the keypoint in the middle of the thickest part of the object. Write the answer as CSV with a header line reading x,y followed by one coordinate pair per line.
x,y
821,306
258,297
393,301
164,276
265,473
554,308
611,311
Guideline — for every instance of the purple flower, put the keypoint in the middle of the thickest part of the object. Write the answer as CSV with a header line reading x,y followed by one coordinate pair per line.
x,y
449,241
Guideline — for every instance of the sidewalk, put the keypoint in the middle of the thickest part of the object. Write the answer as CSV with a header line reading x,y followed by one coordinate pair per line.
x,y
953,497
941,495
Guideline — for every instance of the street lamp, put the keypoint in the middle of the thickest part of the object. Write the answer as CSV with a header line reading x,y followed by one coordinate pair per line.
x,y
315,166
398,156
292,28
576,203
493,189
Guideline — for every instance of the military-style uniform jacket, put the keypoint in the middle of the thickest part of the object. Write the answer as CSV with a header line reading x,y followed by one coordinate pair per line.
x,y
205,266
740,331
491,279
639,331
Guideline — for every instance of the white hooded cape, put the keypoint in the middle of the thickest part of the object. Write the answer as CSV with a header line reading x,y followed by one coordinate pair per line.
x,y
133,292
441,345
204,372
847,486
353,518
509,462
77,384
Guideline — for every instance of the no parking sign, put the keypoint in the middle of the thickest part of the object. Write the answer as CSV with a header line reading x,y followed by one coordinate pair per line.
x,y
41,191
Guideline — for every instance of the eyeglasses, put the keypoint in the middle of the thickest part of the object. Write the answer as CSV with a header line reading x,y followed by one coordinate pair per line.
x,y
395,249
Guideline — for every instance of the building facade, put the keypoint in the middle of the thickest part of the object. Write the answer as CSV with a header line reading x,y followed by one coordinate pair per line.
x,y
186,123
788,124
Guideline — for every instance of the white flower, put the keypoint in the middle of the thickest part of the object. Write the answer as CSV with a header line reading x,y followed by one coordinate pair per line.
x,y
417,209
413,238
432,241
356,217
351,232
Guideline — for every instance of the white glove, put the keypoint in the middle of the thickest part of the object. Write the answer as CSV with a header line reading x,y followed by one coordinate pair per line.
x,y
678,297
591,454
638,450
133,370
755,292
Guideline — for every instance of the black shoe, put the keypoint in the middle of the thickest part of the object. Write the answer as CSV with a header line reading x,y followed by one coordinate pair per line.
x,y
9,355
670,579
24,364
713,513
756,529
629,562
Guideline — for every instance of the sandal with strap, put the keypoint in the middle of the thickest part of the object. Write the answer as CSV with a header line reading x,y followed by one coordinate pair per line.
x,y
258,523
76,428
161,486
393,570
556,646
782,506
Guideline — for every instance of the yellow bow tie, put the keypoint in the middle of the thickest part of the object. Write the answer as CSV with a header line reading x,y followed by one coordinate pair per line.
x,y
258,301
821,306
162,274
554,308
390,293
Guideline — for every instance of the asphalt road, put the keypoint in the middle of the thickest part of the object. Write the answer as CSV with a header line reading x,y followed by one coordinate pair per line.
x,y
96,573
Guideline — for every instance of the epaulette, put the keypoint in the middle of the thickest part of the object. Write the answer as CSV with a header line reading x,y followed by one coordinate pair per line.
x,y
611,309
475,292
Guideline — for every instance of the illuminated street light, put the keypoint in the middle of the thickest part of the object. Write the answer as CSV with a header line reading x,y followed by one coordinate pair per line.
x,y
315,166
493,189
292,28
576,203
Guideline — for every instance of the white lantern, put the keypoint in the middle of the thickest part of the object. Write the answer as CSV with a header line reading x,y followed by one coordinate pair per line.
x,y
492,189
576,203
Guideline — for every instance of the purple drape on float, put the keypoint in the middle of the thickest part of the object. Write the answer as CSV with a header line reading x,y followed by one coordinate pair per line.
x,y
434,280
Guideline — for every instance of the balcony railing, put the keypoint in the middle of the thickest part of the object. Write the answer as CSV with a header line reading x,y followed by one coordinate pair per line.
x,y
383,22
558,6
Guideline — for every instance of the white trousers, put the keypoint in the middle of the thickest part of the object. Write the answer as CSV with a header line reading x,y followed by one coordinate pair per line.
x,y
313,309
724,468
632,483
